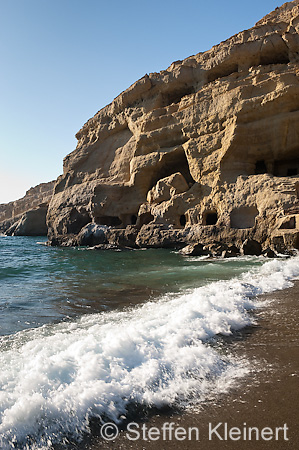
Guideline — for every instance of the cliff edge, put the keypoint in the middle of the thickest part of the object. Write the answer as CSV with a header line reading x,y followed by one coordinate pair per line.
x,y
206,151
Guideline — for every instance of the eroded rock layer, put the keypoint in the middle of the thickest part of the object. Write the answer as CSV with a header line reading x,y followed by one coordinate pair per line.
x,y
205,151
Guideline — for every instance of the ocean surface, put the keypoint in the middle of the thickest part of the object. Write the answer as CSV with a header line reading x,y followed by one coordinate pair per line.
x,y
104,334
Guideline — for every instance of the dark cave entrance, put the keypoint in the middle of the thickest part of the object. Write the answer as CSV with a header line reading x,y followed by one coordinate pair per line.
x,y
286,167
183,220
292,171
133,219
260,167
210,218
111,221
172,163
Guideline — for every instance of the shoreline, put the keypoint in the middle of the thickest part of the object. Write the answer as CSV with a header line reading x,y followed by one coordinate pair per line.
x,y
267,397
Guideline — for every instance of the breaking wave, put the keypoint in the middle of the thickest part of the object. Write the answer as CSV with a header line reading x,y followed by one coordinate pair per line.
x,y
57,377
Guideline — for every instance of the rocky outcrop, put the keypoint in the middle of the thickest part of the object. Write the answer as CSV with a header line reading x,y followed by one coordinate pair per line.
x,y
27,216
195,250
205,151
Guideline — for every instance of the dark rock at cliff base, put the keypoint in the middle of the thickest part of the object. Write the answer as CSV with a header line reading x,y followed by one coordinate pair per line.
x,y
155,236
110,247
92,234
251,247
269,253
194,250
216,248
125,237
5,225
230,252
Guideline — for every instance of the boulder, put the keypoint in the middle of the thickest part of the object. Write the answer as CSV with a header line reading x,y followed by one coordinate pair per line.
x,y
194,250
230,252
251,247
269,253
215,248
109,247
93,234
166,188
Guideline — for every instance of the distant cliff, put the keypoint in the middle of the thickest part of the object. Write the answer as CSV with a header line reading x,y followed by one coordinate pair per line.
x,y
27,216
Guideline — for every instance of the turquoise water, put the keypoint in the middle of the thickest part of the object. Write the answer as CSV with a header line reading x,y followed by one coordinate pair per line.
x,y
41,284
98,334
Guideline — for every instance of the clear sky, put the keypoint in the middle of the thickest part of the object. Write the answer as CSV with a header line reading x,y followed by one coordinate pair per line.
x,y
63,60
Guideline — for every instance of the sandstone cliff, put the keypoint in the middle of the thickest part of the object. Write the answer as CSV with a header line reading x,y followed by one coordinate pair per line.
x,y
27,216
205,151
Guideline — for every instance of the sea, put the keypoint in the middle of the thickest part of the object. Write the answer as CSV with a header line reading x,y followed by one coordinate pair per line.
x,y
107,335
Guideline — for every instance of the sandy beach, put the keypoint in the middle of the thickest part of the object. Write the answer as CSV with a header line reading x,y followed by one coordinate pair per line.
x,y
266,398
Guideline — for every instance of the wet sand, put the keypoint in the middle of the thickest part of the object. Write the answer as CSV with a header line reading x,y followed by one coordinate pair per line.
x,y
268,397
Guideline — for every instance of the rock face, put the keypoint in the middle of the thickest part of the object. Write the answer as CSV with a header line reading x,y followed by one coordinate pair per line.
x,y
27,216
207,150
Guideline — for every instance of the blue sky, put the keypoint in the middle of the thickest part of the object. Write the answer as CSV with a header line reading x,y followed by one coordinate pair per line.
x,y
63,60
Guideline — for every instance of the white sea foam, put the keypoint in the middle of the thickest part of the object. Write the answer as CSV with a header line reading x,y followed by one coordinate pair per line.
x,y
55,378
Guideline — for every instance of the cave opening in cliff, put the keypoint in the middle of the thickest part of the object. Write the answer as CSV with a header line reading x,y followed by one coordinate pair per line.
x,y
289,223
286,167
173,162
168,98
210,217
128,219
183,220
111,221
292,171
221,71
133,219
144,219
260,167
243,217
279,57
